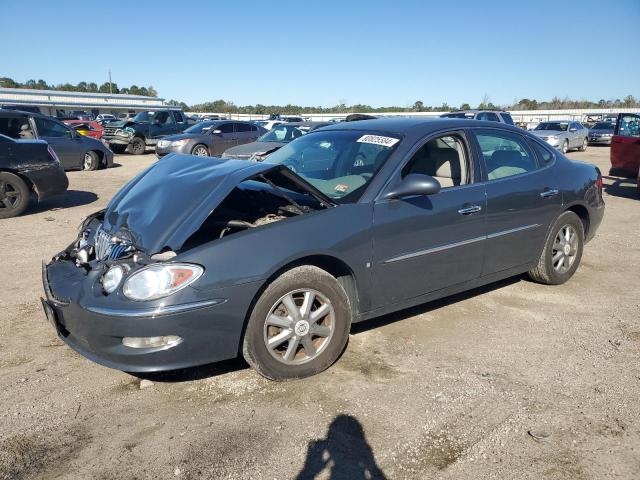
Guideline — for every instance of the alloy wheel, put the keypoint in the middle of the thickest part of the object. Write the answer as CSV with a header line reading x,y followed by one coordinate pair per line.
x,y
88,161
565,249
200,151
9,195
565,146
299,326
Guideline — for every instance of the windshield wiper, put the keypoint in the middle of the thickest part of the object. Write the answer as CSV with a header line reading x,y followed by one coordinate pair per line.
x,y
301,209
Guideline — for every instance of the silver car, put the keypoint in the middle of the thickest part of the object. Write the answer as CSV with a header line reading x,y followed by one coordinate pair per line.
x,y
563,135
601,133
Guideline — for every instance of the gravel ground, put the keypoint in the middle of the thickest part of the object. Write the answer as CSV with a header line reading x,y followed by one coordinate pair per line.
x,y
513,380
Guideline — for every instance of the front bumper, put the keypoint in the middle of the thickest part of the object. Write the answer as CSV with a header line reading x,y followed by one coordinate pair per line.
x,y
210,329
599,140
117,139
162,151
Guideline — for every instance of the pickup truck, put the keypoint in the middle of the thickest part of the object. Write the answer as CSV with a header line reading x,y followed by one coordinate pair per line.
x,y
145,129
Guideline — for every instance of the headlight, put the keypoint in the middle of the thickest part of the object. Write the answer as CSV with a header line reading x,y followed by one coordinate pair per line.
x,y
179,143
553,137
112,278
160,280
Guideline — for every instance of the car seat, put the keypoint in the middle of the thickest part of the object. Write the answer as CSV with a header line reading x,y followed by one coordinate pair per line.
x,y
504,163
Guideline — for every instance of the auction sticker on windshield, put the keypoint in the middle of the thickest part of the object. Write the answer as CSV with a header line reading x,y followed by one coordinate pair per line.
x,y
378,140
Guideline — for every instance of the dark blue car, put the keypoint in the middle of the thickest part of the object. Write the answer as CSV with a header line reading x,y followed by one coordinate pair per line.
x,y
197,259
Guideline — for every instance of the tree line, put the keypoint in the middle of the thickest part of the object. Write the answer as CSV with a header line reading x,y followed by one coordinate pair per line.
x,y
90,87
223,106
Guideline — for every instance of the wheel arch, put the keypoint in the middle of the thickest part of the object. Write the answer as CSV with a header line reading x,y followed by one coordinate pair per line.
x,y
583,214
336,267
26,179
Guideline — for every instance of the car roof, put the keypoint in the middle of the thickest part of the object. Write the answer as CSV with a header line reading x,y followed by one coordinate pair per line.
x,y
405,125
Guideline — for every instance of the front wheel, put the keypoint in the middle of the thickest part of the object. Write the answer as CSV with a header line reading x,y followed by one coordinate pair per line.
x,y
200,151
562,251
584,145
137,146
90,161
299,326
14,195
565,146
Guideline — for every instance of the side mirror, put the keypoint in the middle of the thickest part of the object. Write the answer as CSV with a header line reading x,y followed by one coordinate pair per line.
x,y
217,132
413,184
573,129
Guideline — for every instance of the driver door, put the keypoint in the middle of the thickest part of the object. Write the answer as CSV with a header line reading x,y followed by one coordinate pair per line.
x,y
426,243
67,144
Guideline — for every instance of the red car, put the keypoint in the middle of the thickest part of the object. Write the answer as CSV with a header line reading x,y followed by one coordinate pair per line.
x,y
87,128
625,146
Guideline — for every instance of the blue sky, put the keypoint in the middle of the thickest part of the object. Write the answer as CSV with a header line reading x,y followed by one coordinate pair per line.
x,y
324,52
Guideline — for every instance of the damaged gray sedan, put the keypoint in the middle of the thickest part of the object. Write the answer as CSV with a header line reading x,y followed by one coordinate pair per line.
x,y
198,260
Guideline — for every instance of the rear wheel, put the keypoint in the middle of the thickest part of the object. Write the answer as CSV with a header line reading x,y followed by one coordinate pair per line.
x,y
91,161
14,195
584,145
137,146
562,251
299,326
565,146
200,150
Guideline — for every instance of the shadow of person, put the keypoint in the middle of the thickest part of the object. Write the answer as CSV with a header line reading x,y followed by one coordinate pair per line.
x,y
67,199
345,453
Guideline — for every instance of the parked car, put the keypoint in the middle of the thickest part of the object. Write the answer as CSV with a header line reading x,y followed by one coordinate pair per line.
x,y
269,124
488,115
563,135
26,167
271,141
600,133
75,151
145,129
625,146
126,116
198,259
105,118
210,138
89,129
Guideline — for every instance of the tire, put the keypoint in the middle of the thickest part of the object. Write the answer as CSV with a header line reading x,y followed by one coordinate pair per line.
x,y
565,147
200,150
546,271
137,146
307,346
14,195
91,161
583,147
116,148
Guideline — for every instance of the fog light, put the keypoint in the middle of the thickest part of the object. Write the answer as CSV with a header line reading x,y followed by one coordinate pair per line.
x,y
151,342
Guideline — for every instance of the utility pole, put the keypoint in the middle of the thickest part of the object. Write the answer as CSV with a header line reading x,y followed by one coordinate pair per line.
x,y
110,90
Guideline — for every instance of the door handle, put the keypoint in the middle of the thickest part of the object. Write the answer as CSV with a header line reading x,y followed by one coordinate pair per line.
x,y
470,209
549,192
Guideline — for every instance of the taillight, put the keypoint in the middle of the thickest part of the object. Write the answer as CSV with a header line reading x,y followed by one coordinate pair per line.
x,y
599,183
52,153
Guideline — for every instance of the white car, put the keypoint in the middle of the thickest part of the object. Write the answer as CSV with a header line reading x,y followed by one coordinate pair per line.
x,y
269,124
105,117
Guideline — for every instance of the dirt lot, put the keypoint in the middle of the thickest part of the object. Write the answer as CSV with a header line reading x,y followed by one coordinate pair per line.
x,y
514,380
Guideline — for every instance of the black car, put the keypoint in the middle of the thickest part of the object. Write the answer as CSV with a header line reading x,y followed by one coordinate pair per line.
x,y
75,151
26,167
198,259
272,140
210,138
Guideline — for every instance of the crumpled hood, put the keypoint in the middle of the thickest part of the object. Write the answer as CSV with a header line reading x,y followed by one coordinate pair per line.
x,y
165,204
254,147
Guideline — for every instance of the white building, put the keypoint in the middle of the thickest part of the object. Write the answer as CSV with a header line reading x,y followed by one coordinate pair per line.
x,y
60,103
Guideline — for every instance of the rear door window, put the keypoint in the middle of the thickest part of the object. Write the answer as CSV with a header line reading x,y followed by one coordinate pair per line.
x,y
489,116
504,154
242,127
507,118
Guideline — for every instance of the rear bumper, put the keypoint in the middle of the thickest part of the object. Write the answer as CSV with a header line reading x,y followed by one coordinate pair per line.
x,y
596,215
117,139
210,330
48,180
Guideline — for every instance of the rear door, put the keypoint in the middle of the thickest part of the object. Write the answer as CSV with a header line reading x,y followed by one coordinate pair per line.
x,y
425,243
162,125
67,144
625,145
523,198
243,133
180,122
223,140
